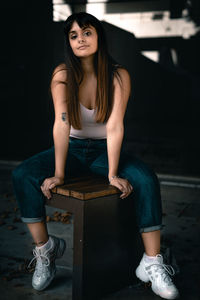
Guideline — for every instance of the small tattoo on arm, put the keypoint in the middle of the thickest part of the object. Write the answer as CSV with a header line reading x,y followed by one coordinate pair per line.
x,y
64,117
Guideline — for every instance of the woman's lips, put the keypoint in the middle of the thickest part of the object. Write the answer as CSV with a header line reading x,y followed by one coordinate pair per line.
x,y
82,47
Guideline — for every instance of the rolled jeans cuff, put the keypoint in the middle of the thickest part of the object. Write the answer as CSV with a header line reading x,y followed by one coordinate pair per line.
x,y
151,228
32,220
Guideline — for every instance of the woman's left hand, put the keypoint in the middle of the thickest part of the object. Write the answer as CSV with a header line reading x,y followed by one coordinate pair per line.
x,y
50,183
123,185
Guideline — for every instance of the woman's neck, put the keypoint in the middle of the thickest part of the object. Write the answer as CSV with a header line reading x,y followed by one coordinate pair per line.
x,y
88,65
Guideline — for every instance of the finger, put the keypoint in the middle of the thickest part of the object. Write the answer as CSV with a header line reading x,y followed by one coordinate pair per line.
x,y
48,183
116,184
46,192
55,183
52,185
126,189
122,189
126,193
130,189
122,186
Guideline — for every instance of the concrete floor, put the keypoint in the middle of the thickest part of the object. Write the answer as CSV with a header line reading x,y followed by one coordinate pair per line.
x,y
181,235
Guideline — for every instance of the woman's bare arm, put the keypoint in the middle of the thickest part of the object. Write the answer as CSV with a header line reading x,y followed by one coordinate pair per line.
x,y
61,129
115,130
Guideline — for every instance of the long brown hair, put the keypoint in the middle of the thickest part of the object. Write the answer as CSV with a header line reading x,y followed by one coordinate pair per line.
x,y
105,69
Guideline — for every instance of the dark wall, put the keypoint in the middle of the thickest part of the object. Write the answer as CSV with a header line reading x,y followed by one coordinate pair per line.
x,y
162,123
25,70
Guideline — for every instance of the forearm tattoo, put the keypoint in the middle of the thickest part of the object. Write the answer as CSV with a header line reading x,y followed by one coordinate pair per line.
x,y
64,117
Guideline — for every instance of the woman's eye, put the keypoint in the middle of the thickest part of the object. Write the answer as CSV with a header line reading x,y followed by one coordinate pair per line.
x,y
87,33
73,37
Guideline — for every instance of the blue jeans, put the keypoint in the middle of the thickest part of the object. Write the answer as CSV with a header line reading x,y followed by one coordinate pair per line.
x,y
86,156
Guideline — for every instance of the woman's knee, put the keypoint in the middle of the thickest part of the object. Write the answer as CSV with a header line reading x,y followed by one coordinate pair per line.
x,y
148,179
27,191
141,177
25,175
36,168
18,174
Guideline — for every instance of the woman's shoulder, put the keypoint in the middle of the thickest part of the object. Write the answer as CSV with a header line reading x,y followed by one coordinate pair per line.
x,y
122,70
121,74
118,70
60,73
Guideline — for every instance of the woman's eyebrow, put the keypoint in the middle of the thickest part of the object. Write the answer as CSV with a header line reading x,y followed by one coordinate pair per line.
x,y
83,28
86,27
73,31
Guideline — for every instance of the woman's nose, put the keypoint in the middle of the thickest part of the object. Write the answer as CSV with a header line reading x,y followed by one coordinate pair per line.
x,y
80,39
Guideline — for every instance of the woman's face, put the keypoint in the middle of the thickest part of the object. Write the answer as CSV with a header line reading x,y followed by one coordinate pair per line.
x,y
83,41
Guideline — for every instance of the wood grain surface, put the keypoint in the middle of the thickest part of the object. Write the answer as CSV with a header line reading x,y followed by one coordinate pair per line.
x,y
86,188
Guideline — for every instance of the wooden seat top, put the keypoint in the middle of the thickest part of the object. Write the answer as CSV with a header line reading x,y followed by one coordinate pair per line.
x,y
86,188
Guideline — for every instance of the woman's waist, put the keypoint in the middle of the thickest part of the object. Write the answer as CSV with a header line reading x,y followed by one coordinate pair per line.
x,y
94,133
88,143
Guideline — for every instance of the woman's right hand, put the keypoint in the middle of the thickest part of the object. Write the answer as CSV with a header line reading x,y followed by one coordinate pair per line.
x,y
123,185
50,183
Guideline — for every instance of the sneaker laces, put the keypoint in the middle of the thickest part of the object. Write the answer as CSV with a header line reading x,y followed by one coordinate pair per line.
x,y
164,270
42,259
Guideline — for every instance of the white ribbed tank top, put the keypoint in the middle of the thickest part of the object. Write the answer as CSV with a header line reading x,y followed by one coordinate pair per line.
x,y
90,128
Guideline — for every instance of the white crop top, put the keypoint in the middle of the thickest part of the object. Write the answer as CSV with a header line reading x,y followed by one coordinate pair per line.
x,y
90,128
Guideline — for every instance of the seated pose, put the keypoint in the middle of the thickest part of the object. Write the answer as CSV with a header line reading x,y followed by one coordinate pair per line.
x,y
90,92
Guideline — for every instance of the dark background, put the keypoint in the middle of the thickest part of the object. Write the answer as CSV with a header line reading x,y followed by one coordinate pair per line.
x,y
162,120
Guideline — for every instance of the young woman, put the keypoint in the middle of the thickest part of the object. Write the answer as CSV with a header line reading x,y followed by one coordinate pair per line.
x,y
90,94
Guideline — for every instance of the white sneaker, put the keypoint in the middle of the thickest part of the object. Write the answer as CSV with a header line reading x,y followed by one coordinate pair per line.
x,y
45,269
158,273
